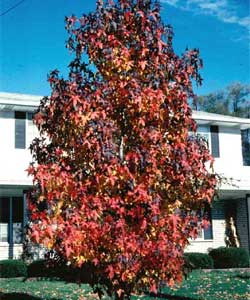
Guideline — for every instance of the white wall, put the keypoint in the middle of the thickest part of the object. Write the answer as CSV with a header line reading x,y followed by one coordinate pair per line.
x,y
14,162
16,249
229,165
230,147
218,226
230,162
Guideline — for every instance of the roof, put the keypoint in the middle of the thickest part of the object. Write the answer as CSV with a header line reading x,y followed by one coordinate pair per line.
x,y
11,101
205,118
20,102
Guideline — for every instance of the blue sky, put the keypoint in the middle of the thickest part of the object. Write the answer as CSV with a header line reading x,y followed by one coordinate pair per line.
x,y
32,40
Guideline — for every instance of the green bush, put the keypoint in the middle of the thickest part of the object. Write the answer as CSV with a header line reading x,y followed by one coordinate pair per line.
x,y
43,268
12,268
229,257
197,260
37,268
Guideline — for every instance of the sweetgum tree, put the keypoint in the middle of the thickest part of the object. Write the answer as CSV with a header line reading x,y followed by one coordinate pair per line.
x,y
117,180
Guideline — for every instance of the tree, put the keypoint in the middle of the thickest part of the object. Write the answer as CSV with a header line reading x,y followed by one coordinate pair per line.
x,y
117,179
239,97
213,102
233,101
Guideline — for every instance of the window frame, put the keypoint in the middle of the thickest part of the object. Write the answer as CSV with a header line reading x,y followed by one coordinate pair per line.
x,y
207,209
10,223
204,131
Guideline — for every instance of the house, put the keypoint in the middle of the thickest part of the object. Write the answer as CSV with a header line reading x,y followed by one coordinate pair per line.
x,y
223,134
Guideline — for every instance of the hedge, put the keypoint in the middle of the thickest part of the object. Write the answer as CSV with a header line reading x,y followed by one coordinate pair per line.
x,y
85,274
38,268
198,260
229,257
12,268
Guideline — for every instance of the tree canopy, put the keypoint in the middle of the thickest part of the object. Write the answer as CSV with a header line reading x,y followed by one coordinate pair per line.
x,y
117,179
234,100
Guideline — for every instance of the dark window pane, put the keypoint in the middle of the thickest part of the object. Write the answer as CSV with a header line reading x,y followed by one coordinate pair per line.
x,y
20,132
20,115
215,146
30,116
245,140
208,232
4,210
17,209
4,219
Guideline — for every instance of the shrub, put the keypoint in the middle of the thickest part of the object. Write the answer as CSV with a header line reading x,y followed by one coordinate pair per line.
x,y
12,268
229,257
53,269
43,268
198,260
37,268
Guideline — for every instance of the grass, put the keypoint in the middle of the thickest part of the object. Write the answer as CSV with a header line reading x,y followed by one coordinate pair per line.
x,y
16,289
211,286
200,285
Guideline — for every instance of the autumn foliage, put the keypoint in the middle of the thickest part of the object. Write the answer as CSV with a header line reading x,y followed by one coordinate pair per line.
x,y
117,179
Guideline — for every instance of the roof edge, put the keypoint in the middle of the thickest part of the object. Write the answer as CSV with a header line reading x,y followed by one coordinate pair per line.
x,y
34,100
218,118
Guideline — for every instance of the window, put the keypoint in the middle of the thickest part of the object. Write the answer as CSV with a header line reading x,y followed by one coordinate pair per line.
x,y
211,135
206,233
30,116
20,132
11,219
245,142
4,219
204,132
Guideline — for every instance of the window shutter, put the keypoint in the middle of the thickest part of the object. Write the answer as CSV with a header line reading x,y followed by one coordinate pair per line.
x,y
215,146
20,130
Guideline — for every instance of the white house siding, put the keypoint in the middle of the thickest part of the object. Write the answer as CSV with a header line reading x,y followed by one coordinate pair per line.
x,y
230,162
13,161
13,164
233,192
7,251
230,147
219,209
218,227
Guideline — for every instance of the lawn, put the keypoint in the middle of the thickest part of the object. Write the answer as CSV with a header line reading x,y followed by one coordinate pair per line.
x,y
199,285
